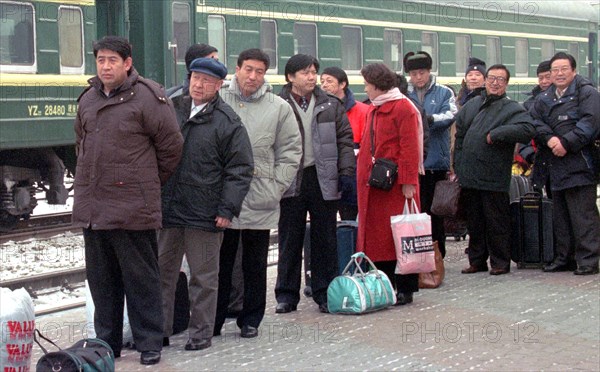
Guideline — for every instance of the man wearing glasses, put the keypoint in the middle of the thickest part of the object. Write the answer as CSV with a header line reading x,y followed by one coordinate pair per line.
x,y
487,128
567,121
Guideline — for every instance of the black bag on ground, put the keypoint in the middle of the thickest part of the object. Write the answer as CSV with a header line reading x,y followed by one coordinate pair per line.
x,y
181,313
532,233
519,186
90,354
346,233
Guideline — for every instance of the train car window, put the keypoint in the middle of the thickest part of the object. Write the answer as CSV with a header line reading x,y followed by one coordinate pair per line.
x,y
17,38
392,49
216,35
462,46
493,54
521,57
70,40
181,28
305,38
429,44
268,41
352,56
574,50
547,49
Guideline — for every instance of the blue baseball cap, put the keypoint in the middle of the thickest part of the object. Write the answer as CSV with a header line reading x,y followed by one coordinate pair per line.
x,y
209,66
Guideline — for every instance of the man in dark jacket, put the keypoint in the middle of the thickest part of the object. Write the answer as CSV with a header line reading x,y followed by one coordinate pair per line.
x,y
202,197
487,128
567,121
128,143
327,167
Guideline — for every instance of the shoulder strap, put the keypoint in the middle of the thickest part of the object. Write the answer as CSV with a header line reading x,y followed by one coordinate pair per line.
x,y
38,333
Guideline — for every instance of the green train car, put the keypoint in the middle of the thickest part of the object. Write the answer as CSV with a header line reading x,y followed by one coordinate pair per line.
x,y
46,56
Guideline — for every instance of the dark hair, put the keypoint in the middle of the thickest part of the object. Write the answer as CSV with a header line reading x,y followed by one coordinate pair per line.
x,y
337,73
544,66
402,83
379,75
299,62
256,54
117,44
499,66
563,55
198,51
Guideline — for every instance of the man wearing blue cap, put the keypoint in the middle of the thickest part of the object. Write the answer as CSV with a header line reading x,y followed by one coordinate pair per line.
x,y
202,197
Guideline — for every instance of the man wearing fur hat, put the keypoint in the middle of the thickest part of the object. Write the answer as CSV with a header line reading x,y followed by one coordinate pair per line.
x,y
439,104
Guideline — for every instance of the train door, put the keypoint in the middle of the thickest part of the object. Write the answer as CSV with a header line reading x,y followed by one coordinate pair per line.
x,y
111,18
179,26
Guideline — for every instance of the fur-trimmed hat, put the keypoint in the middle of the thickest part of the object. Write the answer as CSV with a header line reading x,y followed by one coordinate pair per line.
x,y
416,61
544,66
475,64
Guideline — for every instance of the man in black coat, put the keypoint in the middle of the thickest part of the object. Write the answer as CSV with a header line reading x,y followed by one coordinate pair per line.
x,y
487,128
567,122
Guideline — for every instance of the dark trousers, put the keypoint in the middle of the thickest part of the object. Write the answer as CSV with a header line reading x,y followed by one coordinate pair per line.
x,y
488,221
323,241
427,187
348,212
576,225
123,263
255,248
402,283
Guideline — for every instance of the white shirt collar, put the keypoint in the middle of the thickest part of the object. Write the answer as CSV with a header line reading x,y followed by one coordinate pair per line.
x,y
196,109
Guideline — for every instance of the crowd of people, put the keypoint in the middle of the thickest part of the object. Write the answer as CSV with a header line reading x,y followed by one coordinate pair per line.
x,y
212,167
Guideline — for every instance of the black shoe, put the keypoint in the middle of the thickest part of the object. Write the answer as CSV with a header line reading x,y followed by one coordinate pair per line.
x,y
284,307
586,270
474,269
198,344
554,267
249,332
150,357
323,308
166,341
117,354
404,298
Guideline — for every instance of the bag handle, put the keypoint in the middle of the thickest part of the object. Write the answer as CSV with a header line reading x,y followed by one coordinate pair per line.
x,y
412,208
37,341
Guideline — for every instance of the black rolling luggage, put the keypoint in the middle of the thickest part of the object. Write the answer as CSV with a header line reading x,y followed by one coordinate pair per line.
x,y
532,239
519,186
346,246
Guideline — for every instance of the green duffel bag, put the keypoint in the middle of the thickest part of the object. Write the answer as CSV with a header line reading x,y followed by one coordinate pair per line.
x,y
357,292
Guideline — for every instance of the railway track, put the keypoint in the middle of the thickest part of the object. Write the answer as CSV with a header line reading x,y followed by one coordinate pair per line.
x,y
40,227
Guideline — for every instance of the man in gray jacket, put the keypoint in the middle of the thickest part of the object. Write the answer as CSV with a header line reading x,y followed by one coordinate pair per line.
x,y
327,169
277,149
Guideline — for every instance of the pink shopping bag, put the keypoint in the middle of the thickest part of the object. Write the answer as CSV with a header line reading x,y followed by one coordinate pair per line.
x,y
412,238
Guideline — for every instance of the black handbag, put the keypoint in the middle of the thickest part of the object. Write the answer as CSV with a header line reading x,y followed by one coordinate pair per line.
x,y
385,171
90,354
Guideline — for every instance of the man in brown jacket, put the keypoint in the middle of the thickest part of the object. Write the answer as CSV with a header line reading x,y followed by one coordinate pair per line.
x,y
128,143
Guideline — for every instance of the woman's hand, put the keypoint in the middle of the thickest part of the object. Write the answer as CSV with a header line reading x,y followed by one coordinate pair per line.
x,y
409,191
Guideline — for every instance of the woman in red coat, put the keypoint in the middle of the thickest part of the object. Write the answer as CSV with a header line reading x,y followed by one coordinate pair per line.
x,y
397,137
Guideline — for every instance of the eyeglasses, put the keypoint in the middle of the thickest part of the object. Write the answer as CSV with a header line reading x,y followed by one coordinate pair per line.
x,y
499,79
563,69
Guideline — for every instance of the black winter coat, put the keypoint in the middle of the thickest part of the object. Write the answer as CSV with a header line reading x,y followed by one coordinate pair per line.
x,y
484,166
216,167
575,120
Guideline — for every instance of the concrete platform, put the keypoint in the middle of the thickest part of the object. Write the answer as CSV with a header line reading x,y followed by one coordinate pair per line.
x,y
524,321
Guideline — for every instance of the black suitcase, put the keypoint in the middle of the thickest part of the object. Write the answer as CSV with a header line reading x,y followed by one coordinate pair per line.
x,y
532,235
519,186
455,227
346,246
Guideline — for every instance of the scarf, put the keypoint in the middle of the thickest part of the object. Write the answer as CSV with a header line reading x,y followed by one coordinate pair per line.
x,y
393,95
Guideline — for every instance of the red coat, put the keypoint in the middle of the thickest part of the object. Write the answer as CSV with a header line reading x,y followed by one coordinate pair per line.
x,y
357,116
396,138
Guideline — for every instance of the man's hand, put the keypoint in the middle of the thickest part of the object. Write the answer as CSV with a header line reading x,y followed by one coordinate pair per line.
x,y
556,146
222,222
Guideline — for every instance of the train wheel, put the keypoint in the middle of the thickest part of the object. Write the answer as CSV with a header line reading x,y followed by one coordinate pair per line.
x,y
7,221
